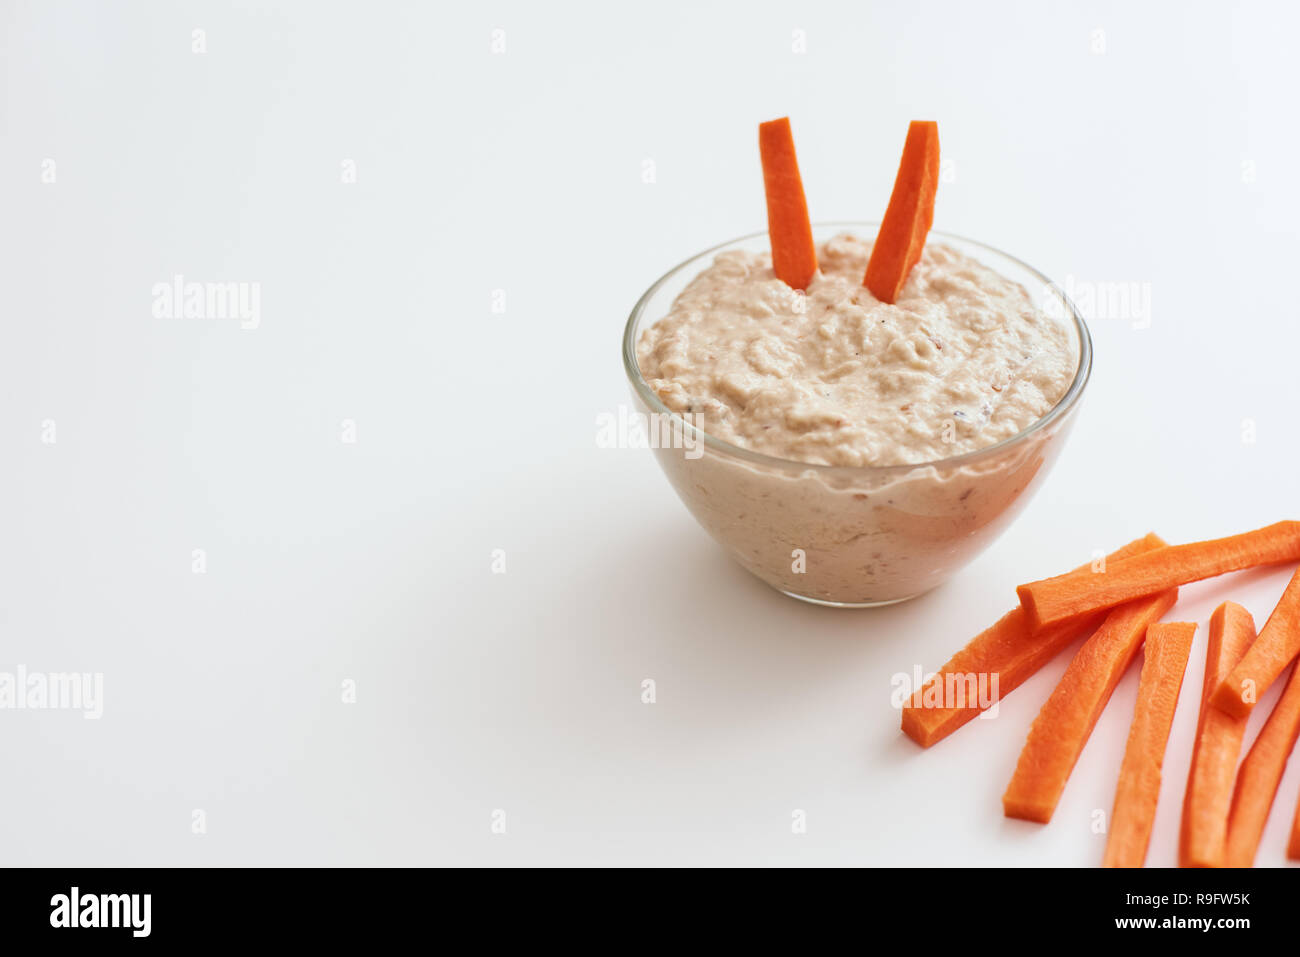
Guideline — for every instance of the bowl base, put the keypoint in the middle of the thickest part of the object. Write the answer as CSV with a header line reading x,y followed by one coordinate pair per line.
x,y
849,604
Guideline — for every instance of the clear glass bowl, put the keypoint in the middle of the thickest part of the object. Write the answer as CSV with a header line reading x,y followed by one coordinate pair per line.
x,y
845,536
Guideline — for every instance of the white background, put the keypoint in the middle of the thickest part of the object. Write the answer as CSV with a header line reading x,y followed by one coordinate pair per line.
x,y
1169,159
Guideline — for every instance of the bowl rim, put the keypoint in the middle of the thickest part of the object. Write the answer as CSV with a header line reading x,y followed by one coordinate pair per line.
x,y
1062,407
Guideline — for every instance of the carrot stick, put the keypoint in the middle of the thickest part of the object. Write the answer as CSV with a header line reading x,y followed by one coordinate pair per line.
x,y
1218,744
794,254
907,221
1293,848
1009,650
1260,775
1277,646
1166,649
1066,720
1054,599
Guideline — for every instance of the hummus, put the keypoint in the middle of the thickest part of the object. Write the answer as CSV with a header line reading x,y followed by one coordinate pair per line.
x,y
833,376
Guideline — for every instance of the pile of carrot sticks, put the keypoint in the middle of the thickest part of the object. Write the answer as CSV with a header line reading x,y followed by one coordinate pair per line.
x,y
1117,604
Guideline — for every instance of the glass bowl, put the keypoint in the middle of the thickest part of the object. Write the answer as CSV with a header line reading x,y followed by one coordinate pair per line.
x,y
849,536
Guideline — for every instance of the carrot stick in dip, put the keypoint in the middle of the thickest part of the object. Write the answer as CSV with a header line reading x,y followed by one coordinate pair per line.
x,y
907,221
794,254
1218,745
1065,596
1059,733
1260,775
1008,651
1277,647
1166,649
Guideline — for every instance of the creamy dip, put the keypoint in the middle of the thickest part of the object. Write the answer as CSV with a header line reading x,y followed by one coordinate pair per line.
x,y
963,360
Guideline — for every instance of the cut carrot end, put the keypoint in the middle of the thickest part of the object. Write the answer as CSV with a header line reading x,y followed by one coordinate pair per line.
x,y
794,254
1035,813
1231,701
1029,605
910,213
915,729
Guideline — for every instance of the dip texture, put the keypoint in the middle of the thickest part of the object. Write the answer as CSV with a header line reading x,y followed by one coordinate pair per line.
x,y
962,361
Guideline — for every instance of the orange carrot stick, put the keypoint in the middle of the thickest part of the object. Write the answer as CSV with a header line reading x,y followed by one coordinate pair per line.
x,y
1260,774
794,254
901,239
1066,720
1055,599
1277,647
1166,649
1218,744
1008,650
1293,848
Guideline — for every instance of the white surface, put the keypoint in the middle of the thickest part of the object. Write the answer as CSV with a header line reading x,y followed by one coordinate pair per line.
x,y
476,431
